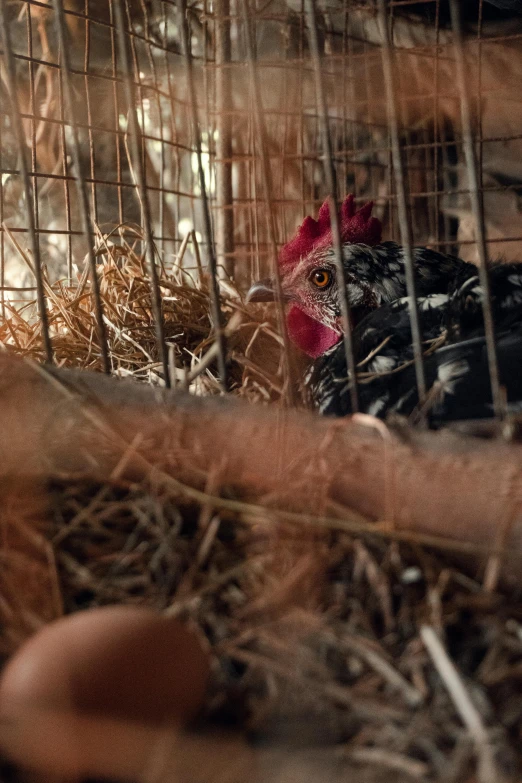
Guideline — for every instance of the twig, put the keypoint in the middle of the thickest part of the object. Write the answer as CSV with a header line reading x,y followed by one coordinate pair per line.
x,y
470,716
392,761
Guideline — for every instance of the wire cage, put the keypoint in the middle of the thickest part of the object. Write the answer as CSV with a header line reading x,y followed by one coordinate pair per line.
x,y
155,156
235,122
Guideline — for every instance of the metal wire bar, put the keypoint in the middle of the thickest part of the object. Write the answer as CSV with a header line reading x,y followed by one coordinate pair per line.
x,y
65,178
242,246
476,208
224,196
2,233
176,145
238,202
92,148
436,129
11,80
285,134
116,109
207,225
139,91
32,108
402,209
162,150
301,108
331,186
266,175
139,174
480,155
83,200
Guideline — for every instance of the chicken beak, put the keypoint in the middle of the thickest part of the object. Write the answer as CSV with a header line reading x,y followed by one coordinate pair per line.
x,y
262,291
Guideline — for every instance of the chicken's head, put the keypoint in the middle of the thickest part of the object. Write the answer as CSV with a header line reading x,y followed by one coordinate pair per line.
x,y
309,277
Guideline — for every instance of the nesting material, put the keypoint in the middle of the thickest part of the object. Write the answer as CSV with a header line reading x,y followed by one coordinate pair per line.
x,y
336,653
254,346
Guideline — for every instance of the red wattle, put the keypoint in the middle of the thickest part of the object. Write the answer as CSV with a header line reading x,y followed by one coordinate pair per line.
x,y
309,335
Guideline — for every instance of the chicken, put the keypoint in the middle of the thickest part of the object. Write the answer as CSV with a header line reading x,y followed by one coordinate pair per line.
x,y
450,305
456,372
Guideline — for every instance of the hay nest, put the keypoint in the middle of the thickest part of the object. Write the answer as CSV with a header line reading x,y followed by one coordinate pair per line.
x,y
327,645
254,346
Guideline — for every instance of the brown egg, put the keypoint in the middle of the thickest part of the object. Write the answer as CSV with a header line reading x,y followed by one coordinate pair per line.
x,y
120,662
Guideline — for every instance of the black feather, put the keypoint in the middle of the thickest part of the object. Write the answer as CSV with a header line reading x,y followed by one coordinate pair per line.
x,y
455,362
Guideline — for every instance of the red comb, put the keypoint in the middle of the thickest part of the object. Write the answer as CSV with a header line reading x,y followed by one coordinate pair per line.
x,y
356,226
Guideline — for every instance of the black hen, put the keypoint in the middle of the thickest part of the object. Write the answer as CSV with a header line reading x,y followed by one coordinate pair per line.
x,y
450,301
455,362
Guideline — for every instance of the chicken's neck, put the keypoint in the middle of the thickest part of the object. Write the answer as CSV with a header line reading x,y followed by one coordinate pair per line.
x,y
382,269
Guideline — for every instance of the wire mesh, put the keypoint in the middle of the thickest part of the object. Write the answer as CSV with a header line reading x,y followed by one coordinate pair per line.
x,y
157,171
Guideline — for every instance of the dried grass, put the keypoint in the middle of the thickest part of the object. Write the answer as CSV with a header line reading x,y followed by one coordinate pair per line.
x,y
254,347
355,653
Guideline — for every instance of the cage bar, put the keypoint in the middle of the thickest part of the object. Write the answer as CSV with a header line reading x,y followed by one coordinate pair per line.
x,y
224,149
331,186
207,224
139,174
475,194
10,75
85,213
402,201
266,174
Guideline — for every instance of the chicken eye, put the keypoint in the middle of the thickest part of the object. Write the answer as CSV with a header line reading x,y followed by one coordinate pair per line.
x,y
321,278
